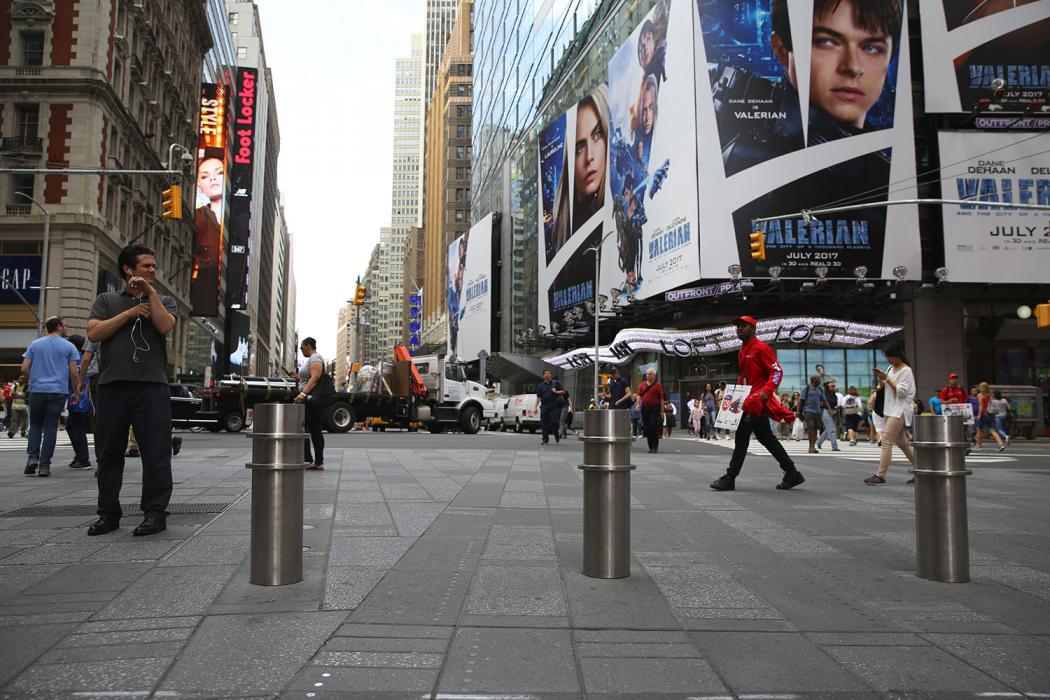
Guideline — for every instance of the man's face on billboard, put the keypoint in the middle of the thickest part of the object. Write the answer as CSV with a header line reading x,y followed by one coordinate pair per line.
x,y
646,48
590,152
848,64
209,178
648,110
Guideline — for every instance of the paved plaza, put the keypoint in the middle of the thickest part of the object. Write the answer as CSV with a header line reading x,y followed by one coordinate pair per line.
x,y
449,567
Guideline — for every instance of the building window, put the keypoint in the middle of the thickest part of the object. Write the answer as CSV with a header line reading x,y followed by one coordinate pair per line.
x,y
242,52
234,18
28,121
459,215
32,48
461,131
460,152
22,186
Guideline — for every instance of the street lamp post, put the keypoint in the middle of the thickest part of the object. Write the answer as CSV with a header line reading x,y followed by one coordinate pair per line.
x,y
597,250
43,259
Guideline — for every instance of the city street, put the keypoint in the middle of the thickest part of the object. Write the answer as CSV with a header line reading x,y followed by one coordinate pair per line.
x,y
448,566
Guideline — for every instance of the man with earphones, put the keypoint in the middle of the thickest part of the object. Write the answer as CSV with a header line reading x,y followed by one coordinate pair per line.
x,y
133,389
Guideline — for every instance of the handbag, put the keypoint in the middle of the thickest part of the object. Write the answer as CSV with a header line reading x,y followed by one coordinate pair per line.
x,y
879,405
798,430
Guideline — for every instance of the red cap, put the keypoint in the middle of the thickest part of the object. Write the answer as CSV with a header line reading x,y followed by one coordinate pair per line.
x,y
745,319
953,375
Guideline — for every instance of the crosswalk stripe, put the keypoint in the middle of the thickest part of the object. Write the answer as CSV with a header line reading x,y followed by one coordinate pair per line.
x,y
861,452
19,444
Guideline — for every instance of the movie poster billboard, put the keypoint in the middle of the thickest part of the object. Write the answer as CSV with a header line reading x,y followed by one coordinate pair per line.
x,y
805,105
986,244
470,292
969,45
210,200
242,164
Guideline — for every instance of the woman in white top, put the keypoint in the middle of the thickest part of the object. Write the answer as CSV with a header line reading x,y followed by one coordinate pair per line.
x,y
898,383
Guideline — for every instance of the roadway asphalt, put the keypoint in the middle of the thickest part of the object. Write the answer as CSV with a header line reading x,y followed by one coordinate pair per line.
x,y
448,566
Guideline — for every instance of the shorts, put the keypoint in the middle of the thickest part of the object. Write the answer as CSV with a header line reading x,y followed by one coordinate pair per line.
x,y
986,422
813,421
853,421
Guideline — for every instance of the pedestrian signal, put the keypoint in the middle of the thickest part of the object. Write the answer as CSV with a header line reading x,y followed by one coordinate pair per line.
x,y
758,245
171,202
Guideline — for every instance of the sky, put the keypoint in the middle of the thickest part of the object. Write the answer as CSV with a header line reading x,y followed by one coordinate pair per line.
x,y
333,72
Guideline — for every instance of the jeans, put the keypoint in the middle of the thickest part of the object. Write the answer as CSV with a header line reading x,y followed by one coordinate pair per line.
x,y
636,424
44,412
145,406
1000,427
76,429
315,410
760,427
830,430
550,423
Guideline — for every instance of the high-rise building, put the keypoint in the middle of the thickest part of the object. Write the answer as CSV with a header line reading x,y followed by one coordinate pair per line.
x,y
406,204
367,347
345,343
90,85
447,214
441,17
284,347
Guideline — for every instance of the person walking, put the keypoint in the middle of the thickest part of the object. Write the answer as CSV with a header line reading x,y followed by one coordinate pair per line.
x,y
636,416
698,419
709,403
829,418
985,418
952,393
719,393
898,383
50,362
652,395
814,402
131,325
851,412
670,416
19,410
314,386
759,368
569,416
876,422
550,392
618,391
79,408
1000,409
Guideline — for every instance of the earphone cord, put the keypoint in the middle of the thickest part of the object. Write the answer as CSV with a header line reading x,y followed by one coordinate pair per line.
x,y
145,347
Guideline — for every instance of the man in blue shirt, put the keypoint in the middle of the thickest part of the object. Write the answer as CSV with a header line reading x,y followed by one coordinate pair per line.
x,y
814,401
551,396
50,363
619,391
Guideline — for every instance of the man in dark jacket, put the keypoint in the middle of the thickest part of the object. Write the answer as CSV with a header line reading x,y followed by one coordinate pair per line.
x,y
552,396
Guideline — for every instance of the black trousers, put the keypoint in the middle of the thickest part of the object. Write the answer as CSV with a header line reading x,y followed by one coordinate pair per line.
x,y
550,423
652,426
146,407
315,410
759,425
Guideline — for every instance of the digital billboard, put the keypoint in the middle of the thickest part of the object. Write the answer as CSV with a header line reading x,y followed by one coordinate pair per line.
x,y
470,292
983,243
210,200
242,165
240,334
977,54
805,104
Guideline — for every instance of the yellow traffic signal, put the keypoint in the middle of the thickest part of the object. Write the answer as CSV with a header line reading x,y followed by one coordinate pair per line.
x,y
758,245
356,367
1042,315
171,202
359,295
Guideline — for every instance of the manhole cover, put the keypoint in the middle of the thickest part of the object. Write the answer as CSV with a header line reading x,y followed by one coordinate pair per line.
x,y
86,509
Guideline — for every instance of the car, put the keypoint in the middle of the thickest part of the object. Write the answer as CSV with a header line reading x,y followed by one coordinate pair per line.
x,y
186,402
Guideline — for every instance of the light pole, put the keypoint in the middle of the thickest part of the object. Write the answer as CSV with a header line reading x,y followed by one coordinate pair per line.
x,y
43,259
597,250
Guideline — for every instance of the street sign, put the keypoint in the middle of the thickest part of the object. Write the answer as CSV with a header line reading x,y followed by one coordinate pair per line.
x,y
711,290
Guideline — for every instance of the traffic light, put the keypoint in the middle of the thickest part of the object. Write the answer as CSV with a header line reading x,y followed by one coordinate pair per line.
x,y
171,202
355,368
758,245
1042,315
359,295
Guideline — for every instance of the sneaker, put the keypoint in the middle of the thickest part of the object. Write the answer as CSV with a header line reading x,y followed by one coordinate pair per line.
x,y
176,445
911,481
836,449
31,467
1001,448
724,483
791,480
875,480
44,472
77,464
852,443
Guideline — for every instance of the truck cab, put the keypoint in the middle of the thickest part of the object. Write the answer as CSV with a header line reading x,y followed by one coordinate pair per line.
x,y
457,400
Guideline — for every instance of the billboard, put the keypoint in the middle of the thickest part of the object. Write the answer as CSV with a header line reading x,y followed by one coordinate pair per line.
x,y
240,334
982,244
20,279
242,164
470,290
968,45
805,105
210,200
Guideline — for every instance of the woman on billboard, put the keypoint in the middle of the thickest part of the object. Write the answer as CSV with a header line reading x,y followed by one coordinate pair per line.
x,y
590,147
207,248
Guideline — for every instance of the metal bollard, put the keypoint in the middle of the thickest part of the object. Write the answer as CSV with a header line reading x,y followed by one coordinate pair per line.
x,y
277,494
607,493
941,537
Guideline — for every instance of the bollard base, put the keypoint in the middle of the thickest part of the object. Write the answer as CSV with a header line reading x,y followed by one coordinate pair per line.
x,y
277,527
942,547
607,522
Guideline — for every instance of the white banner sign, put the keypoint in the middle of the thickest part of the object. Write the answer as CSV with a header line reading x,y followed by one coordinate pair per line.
x,y
470,292
959,409
984,244
731,407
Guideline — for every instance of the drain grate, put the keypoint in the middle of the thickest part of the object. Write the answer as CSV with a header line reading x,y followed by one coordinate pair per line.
x,y
86,509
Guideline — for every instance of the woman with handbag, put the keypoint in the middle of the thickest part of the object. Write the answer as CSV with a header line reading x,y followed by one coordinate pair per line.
x,y
898,392
851,414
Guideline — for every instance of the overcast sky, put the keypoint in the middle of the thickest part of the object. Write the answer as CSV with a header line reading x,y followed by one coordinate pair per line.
x,y
333,71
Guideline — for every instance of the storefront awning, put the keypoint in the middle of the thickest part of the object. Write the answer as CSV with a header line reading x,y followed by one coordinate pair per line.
x,y
515,368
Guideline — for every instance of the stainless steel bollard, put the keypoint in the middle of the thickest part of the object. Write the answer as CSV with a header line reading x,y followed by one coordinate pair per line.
x,y
277,494
941,537
607,493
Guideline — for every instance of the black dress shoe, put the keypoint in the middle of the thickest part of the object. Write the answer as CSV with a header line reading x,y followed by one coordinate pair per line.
x,y
150,526
176,445
102,526
724,483
791,480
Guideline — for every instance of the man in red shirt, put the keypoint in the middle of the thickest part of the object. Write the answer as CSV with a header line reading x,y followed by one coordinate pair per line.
x,y
759,369
651,393
952,393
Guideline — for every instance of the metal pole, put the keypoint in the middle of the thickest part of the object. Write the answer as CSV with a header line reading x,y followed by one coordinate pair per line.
x,y
607,494
597,274
85,171
43,261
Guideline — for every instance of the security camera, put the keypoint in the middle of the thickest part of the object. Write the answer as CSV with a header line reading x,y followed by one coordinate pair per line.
x,y
186,158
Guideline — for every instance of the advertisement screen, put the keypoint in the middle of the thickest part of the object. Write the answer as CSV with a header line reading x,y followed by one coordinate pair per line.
x,y
242,163
470,292
978,53
210,199
240,332
812,109
982,243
